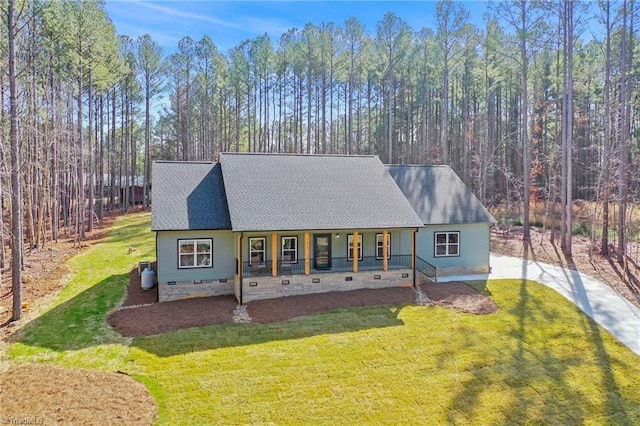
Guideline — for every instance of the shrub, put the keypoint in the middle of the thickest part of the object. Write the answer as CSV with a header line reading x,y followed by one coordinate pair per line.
x,y
581,229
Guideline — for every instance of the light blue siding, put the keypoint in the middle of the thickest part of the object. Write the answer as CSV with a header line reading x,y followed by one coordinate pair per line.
x,y
474,245
402,241
269,244
224,265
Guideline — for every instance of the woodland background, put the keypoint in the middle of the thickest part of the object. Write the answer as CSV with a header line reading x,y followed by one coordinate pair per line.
x,y
539,105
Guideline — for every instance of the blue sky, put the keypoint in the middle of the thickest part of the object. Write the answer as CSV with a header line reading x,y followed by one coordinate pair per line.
x,y
228,23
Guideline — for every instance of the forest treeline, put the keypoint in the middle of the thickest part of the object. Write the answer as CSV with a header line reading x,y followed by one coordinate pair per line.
x,y
540,102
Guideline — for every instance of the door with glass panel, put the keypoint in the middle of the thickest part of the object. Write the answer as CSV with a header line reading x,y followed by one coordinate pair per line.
x,y
322,251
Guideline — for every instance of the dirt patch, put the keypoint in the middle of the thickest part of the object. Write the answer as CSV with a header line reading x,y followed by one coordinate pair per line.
x,y
284,308
170,316
45,394
459,296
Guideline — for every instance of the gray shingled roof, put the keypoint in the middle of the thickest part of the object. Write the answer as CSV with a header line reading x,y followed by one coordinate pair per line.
x,y
188,195
438,195
268,192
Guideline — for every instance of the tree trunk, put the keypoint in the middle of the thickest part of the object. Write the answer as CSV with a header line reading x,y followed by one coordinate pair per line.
x,y
16,195
91,153
444,109
604,250
80,232
101,162
147,140
526,162
624,151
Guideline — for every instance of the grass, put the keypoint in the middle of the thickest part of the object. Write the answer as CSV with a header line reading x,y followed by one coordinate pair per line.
x,y
73,330
538,360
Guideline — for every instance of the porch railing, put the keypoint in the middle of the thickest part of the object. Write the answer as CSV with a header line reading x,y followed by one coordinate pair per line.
x,y
427,269
286,267
337,264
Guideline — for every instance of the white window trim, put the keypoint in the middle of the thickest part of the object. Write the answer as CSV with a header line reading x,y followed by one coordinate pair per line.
x,y
447,244
263,251
350,247
195,242
380,242
283,250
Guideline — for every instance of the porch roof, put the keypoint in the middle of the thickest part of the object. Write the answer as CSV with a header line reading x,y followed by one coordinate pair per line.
x,y
267,192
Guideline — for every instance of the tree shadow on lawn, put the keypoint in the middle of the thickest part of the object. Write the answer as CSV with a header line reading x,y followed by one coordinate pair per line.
x,y
536,381
524,382
233,335
79,322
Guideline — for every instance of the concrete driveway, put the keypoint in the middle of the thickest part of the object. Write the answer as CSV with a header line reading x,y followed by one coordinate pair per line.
x,y
594,298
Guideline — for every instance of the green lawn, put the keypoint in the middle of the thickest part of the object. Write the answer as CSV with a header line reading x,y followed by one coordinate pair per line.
x,y
538,360
73,331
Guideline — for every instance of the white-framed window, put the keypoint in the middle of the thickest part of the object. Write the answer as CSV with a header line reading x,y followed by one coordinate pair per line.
x,y
196,253
350,246
257,250
379,244
289,249
447,244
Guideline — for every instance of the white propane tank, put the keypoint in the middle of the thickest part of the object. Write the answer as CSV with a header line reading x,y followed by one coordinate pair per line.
x,y
147,279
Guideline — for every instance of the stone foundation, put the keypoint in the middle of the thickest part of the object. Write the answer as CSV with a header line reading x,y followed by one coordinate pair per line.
x,y
463,270
454,271
189,289
257,288
267,287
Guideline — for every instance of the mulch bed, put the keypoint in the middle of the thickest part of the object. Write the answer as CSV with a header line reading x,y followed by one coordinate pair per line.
x,y
459,296
170,316
156,318
135,294
284,308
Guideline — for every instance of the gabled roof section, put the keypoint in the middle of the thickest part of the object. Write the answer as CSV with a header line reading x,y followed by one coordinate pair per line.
x,y
188,196
439,196
268,192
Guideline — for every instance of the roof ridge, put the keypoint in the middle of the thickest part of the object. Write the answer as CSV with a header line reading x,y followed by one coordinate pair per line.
x,y
185,161
295,154
417,165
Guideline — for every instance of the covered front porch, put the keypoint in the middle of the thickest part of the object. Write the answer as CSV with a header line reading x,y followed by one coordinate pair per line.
x,y
279,264
335,265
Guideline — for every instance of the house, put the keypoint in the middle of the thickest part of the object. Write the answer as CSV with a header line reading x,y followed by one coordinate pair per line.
x,y
456,233
134,192
117,186
270,225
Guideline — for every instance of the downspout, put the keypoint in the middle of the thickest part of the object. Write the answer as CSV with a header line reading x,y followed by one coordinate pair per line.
x,y
413,252
240,266
489,251
158,290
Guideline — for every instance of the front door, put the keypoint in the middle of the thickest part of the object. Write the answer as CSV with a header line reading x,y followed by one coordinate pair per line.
x,y
322,251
